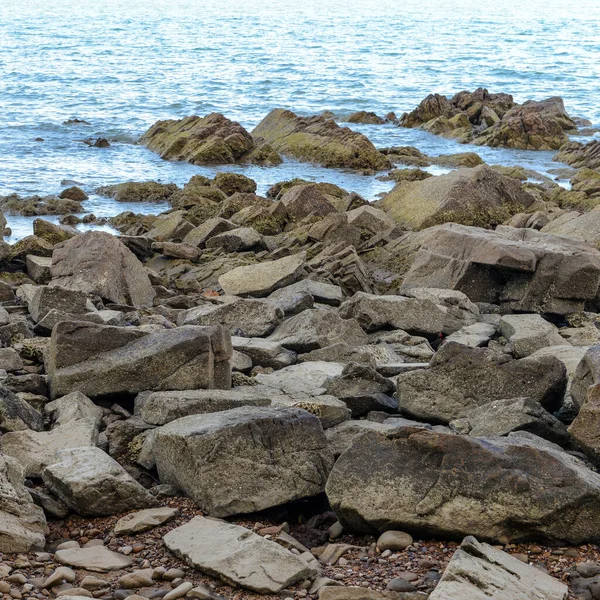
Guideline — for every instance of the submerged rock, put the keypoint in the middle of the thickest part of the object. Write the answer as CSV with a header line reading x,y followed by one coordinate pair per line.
x,y
319,140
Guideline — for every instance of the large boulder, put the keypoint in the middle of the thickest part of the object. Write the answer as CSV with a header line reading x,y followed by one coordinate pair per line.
x,y
263,278
213,139
216,460
22,523
98,263
477,571
585,429
521,269
100,360
580,155
461,378
480,196
237,555
319,140
139,191
504,489
529,333
587,374
92,483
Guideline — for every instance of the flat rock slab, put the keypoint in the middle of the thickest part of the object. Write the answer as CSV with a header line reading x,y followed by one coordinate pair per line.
x,y
143,520
237,555
95,558
478,572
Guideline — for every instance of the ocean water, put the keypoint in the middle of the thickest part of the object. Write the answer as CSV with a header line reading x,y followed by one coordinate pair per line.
x,y
123,64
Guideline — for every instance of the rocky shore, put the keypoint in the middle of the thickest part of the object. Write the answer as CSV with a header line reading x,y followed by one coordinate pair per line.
x,y
307,395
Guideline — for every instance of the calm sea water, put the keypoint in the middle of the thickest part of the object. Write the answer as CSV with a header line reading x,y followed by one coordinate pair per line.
x,y
123,64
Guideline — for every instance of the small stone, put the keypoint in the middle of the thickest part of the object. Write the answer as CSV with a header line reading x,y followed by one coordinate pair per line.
x,y
179,591
394,540
173,574
17,578
400,585
588,569
126,550
67,545
335,531
59,576
159,573
4,587
93,583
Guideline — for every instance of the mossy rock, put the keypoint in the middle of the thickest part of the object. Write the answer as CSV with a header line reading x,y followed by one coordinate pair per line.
x,y
230,183
139,191
407,175
36,206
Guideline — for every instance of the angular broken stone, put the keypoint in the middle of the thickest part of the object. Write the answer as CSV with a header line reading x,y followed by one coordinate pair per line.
x,y
237,555
94,558
143,520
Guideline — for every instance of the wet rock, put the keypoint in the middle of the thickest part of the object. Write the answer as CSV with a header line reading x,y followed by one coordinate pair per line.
x,y
477,570
213,139
421,467
318,140
263,278
22,523
99,360
460,378
91,483
98,263
297,468
479,196
237,556
139,191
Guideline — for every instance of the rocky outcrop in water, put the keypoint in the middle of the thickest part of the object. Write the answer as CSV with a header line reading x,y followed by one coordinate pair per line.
x,y
319,140
580,155
494,120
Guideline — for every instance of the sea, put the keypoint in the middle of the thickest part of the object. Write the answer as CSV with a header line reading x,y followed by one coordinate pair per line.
x,y
121,65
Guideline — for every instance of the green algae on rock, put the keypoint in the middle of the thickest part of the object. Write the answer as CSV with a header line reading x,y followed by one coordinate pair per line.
x,y
319,140
213,139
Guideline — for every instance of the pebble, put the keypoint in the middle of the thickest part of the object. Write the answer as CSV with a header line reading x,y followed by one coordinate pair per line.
x,y
67,545
394,540
17,578
400,585
335,531
4,587
93,583
179,591
126,550
94,542
58,576
173,574
158,573
585,569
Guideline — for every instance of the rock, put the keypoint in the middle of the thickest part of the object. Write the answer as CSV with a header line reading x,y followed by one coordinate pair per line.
x,y
237,555
171,227
100,360
502,417
264,353
120,435
583,226
35,450
136,579
319,140
143,520
205,231
479,196
334,229
159,408
304,200
291,462
177,250
42,299
363,390
314,329
54,233
97,559
421,317
548,497
91,483
51,507
213,139
248,317
139,191
521,269
478,570
22,523
329,410
324,293
180,591
586,375
359,592
230,183
241,239
73,407
476,335
432,107
10,360
38,268
263,278
460,378
394,540
97,263
584,428
370,219
365,118
529,333
17,414
309,377
580,155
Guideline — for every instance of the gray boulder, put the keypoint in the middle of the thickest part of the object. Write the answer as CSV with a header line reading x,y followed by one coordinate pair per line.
x,y
461,378
504,489
529,333
16,414
264,353
216,460
100,360
420,317
22,523
586,375
478,571
250,317
308,378
91,483
72,407
237,555
98,263
10,360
